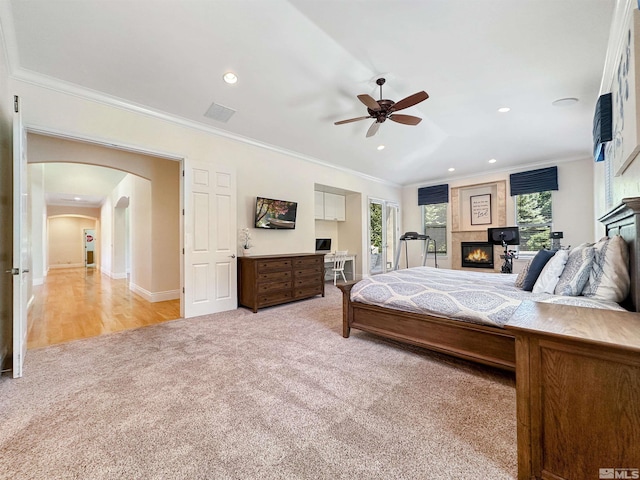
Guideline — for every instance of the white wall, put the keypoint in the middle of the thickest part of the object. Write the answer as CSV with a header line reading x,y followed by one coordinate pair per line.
x,y
66,240
105,236
626,184
260,171
573,210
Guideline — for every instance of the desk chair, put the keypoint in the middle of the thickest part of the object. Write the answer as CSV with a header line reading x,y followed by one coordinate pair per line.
x,y
339,259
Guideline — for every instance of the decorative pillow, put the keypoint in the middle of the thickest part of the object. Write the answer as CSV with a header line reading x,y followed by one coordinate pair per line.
x,y
609,278
537,264
522,275
576,272
548,278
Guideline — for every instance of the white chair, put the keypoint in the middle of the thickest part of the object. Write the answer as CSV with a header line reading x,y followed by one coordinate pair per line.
x,y
339,259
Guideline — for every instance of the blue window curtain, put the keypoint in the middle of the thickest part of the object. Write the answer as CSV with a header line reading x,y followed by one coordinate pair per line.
x,y
533,181
433,195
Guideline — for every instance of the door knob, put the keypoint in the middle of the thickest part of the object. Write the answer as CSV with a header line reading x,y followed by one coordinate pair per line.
x,y
233,255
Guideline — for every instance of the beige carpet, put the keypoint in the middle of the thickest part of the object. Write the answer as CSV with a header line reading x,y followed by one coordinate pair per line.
x,y
273,395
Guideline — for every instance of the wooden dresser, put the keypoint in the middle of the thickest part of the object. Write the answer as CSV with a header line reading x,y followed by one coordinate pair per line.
x,y
268,280
578,392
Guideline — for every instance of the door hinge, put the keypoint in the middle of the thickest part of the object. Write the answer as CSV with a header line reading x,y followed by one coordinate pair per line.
x,y
16,103
183,211
183,173
183,251
182,289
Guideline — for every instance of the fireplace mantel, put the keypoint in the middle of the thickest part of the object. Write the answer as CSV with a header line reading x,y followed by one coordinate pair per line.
x,y
461,228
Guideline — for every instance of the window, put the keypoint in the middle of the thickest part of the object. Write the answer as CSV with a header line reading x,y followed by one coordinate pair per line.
x,y
434,218
534,218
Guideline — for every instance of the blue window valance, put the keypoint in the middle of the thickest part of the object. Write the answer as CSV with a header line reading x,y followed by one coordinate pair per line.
x,y
434,194
533,181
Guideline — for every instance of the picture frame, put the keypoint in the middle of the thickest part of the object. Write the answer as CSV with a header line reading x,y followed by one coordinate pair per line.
x,y
625,91
480,209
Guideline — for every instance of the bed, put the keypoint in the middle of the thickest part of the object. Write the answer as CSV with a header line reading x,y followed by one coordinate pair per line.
x,y
454,329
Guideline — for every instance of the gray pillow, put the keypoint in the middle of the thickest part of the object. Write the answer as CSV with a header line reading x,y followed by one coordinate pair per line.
x,y
522,275
609,278
576,272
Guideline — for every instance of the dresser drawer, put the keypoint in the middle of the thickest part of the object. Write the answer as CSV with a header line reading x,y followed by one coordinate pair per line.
x,y
273,265
272,286
307,282
269,277
307,261
274,297
309,272
303,292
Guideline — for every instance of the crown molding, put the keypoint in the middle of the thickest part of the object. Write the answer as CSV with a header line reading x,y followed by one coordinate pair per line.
x,y
66,88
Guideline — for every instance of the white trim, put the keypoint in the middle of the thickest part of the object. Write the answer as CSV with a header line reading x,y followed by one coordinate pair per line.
x,y
153,297
38,281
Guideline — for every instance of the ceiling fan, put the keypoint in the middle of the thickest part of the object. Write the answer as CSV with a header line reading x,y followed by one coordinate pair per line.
x,y
383,109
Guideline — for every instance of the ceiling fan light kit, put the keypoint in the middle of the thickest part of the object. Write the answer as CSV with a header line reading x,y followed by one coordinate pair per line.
x,y
384,109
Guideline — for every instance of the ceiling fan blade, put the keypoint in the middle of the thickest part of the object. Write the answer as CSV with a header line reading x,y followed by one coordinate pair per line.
x,y
369,101
350,120
405,119
410,101
373,129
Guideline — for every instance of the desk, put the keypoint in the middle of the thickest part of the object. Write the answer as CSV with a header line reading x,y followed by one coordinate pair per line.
x,y
349,266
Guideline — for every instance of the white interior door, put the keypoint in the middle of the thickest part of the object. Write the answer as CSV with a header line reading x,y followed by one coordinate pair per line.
x,y
20,269
210,239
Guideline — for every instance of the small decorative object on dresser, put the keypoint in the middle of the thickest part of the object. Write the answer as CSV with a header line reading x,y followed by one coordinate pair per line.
x,y
267,280
245,241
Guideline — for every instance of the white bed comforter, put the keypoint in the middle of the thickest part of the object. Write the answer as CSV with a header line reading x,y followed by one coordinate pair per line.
x,y
485,298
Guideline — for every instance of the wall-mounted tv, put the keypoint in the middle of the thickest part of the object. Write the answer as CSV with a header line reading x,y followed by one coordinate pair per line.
x,y
275,214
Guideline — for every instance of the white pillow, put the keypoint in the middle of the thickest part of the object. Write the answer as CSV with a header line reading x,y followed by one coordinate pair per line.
x,y
548,278
577,270
609,278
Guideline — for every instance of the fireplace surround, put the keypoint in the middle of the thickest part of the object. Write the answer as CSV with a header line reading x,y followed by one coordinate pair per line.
x,y
477,254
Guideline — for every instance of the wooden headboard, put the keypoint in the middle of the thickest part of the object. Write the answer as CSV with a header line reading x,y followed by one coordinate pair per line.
x,y
624,220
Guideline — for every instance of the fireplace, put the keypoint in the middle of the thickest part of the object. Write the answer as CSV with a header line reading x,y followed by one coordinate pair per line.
x,y
477,254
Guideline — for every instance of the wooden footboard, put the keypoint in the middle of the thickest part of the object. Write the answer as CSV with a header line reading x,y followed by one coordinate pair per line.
x,y
488,345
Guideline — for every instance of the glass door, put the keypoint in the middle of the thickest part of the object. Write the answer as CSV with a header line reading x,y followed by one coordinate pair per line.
x,y
383,235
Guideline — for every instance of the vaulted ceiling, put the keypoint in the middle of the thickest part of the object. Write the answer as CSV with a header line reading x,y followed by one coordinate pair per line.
x,y
301,63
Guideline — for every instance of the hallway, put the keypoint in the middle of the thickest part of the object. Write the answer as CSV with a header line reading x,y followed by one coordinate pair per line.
x,y
75,303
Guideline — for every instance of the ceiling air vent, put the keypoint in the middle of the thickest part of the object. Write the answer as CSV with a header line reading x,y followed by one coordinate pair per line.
x,y
219,113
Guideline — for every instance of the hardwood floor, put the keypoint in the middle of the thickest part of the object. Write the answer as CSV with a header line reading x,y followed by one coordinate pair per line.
x,y
76,303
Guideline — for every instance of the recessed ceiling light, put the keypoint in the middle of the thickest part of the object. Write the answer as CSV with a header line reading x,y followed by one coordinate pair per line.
x,y
493,160
504,109
77,199
380,147
565,102
230,78
452,169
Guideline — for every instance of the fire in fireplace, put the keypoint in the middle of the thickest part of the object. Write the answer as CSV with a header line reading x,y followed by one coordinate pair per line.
x,y
477,254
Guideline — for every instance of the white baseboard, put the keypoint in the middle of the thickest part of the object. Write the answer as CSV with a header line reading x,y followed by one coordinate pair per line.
x,y
154,296
115,276
38,281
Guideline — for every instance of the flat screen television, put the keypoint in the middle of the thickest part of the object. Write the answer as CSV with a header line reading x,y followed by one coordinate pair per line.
x,y
275,214
323,245
510,235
